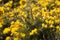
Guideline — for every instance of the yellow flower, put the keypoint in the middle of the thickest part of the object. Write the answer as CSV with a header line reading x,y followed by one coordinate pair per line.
x,y
7,8
57,27
8,3
57,21
46,21
44,4
2,9
40,1
11,14
44,25
51,26
35,8
16,38
57,2
6,30
22,35
25,15
13,30
17,22
16,34
37,14
33,31
8,38
21,4
51,22
12,22
1,25
48,0
57,10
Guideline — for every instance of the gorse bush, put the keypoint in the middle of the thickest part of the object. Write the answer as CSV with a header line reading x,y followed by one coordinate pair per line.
x,y
29,20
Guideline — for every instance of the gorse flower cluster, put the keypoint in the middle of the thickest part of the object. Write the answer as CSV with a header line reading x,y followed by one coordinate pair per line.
x,y
29,19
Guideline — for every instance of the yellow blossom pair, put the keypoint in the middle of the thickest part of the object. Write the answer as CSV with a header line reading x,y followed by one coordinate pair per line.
x,y
33,31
